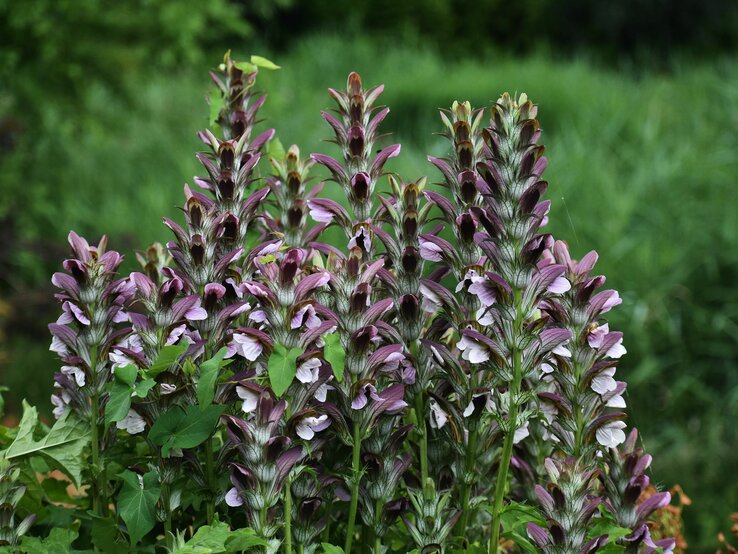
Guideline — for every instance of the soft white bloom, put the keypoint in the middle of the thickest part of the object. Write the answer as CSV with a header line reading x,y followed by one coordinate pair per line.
x,y
133,423
175,334
616,401
430,251
611,302
305,316
430,302
167,388
559,286
308,426
321,393
58,346
249,397
247,346
77,373
604,381
60,400
438,417
611,434
233,499
562,350
472,351
520,433
309,370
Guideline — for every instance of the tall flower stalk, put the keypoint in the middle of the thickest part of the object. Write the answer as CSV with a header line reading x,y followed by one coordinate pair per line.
x,y
439,364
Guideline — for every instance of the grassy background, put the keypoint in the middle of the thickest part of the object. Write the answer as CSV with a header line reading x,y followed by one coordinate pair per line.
x,y
642,168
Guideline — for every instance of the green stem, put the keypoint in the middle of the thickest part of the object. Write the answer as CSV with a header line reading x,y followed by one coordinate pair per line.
x,y
471,456
210,476
378,505
515,385
423,431
99,504
288,516
355,469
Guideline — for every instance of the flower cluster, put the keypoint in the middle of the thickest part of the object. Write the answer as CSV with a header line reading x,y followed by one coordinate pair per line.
x,y
443,364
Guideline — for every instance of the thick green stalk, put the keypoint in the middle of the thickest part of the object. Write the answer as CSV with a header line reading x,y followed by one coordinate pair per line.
x,y
514,392
471,456
210,476
423,432
288,516
97,502
355,471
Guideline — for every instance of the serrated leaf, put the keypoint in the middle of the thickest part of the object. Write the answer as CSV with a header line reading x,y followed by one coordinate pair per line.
x,y
260,61
119,402
178,428
334,354
208,377
61,447
282,367
59,540
166,358
126,374
137,501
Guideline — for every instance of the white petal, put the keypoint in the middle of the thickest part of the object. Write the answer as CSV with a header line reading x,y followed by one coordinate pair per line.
x,y
233,499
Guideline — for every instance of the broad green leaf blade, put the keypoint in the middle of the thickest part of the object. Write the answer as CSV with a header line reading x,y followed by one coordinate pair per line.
x,y
208,377
166,358
119,402
282,367
142,389
243,540
331,549
126,374
184,429
62,447
137,501
260,61
334,354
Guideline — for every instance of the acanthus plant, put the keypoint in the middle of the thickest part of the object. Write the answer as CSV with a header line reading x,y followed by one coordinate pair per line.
x,y
438,379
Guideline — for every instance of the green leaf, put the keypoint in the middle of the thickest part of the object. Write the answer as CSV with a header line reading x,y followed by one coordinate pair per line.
x,y
208,377
515,517
167,356
243,540
2,400
59,540
217,538
282,367
334,354
106,537
178,428
263,62
126,374
216,105
119,402
275,149
246,67
62,446
331,549
137,501
142,389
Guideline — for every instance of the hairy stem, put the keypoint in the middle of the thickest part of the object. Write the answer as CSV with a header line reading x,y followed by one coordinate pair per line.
x,y
355,471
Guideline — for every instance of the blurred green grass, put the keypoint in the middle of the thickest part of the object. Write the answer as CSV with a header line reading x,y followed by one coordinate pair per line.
x,y
642,168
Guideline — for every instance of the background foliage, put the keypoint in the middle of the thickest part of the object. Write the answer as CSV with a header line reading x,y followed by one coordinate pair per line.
x,y
100,100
